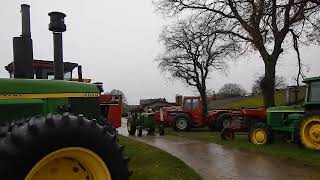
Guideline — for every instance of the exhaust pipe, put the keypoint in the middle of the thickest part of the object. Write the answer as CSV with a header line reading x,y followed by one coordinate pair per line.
x,y
80,79
57,26
25,14
23,48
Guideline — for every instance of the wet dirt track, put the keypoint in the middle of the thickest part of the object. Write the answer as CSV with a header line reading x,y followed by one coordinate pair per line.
x,y
216,162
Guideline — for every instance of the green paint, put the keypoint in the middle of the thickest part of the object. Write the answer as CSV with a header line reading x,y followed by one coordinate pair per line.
x,y
17,109
147,120
31,86
286,119
14,109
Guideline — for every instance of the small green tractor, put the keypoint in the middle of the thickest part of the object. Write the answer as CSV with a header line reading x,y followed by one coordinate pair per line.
x,y
49,129
301,123
138,121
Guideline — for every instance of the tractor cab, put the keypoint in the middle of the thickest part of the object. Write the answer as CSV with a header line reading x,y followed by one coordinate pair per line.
x,y
45,70
193,106
312,100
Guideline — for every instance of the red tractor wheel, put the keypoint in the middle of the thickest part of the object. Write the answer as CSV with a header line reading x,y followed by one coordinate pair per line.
x,y
182,122
227,134
223,121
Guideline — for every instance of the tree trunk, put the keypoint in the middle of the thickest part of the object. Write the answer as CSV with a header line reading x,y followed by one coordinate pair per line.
x,y
268,82
203,96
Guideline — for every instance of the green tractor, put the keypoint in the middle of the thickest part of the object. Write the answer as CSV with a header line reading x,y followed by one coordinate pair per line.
x,y
49,129
300,122
139,121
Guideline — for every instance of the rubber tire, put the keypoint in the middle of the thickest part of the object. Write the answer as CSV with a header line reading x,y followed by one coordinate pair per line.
x,y
300,141
263,126
102,121
133,127
252,123
186,117
27,143
218,124
225,132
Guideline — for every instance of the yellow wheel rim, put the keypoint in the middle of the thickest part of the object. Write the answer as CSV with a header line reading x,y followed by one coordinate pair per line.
x,y
259,136
72,163
310,132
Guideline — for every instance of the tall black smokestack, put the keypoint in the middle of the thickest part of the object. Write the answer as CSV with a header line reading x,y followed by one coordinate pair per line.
x,y
25,14
23,48
57,26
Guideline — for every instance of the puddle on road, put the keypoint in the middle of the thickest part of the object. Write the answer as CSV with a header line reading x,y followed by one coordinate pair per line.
x,y
216,162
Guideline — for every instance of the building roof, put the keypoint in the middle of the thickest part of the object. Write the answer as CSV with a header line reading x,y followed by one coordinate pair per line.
x,y
43,64
146,102
311,79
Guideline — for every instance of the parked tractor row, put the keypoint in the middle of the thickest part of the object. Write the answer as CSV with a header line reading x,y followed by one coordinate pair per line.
x,y
297,123
190,115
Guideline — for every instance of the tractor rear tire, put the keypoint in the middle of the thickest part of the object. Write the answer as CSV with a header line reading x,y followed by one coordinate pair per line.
x,y
227,134
222,120
181,122
102,121
40,145
310,132
260,134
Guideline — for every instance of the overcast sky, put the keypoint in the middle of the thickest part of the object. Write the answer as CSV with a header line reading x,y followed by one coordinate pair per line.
x,y
116,42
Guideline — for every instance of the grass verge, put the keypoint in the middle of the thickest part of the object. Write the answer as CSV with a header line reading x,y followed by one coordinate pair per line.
x,y
148,162
278,149
257,101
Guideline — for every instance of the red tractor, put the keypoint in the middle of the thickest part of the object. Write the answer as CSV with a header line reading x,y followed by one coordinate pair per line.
x,y
111,108
189,114
240,121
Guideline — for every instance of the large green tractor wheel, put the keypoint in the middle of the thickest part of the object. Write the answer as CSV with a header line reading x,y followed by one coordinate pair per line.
x,y
260,134
61,147
310,132
102,121
181,122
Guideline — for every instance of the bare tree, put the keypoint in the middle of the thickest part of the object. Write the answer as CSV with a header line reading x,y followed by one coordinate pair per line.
x,y
119,92
192,52
262,25
280,83
232,90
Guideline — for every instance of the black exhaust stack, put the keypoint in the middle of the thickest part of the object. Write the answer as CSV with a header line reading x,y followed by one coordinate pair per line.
x,y
57,26
23,49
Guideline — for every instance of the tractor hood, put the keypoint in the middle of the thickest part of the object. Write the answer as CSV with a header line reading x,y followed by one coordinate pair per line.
x,y
31,86
286,109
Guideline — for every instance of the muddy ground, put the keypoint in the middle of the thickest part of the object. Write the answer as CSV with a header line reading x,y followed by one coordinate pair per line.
x,y
216,162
